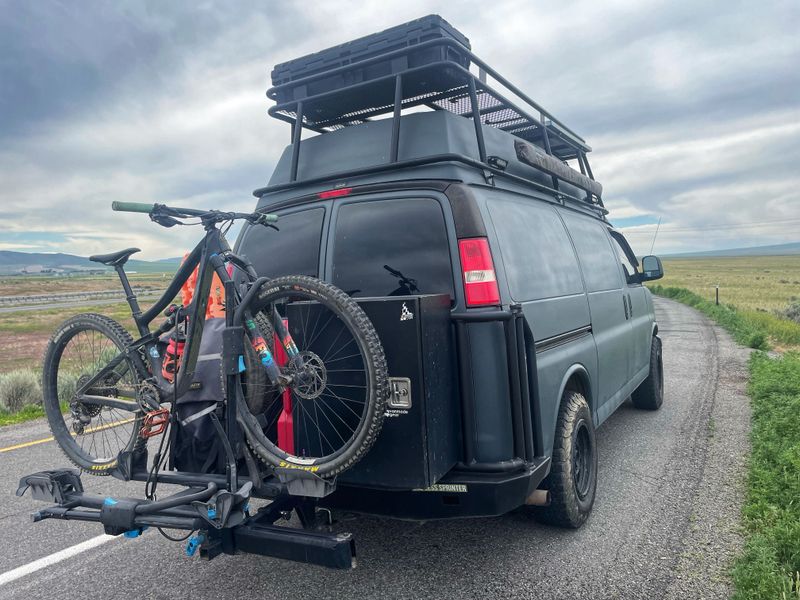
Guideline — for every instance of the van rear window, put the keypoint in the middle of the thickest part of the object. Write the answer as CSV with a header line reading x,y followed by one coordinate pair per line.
x,y
392,248
293,250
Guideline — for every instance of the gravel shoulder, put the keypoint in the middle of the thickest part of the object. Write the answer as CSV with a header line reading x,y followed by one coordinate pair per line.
x,y
714,536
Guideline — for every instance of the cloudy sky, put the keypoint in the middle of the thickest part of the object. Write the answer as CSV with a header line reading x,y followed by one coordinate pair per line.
x,y
692,108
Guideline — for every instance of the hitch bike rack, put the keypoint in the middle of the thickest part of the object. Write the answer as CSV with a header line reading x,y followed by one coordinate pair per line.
x,y
222,519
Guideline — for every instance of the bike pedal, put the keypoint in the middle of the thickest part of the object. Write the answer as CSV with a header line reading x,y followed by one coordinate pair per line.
x,y
155,422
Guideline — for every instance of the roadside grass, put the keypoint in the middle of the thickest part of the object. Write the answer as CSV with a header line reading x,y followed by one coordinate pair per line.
x,y
26,414
770,564
745,329
769,567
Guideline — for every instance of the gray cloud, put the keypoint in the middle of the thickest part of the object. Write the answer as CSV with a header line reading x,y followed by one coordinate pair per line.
x,y
692,108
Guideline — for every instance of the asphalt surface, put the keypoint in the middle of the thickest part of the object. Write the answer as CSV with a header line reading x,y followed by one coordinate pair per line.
x,y
664,523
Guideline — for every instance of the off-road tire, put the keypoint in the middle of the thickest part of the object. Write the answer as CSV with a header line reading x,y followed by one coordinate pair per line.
x,y
568,506
55,347
377,380
650,394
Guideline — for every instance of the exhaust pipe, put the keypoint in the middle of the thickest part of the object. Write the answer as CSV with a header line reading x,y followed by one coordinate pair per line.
x,y
538,498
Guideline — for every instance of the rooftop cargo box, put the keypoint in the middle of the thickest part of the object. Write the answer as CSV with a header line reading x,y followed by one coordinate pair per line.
x,y
339,60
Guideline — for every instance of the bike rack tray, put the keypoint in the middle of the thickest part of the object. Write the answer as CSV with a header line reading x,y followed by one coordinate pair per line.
x,y
221,517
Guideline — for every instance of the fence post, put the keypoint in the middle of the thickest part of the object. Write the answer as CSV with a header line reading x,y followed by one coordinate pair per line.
x,y
716,295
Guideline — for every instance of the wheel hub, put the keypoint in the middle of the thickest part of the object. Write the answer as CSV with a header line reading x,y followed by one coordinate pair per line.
x,y
309,376
86,411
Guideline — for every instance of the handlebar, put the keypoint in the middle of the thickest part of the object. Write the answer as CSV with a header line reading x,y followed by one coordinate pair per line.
x,y
161,210
138,207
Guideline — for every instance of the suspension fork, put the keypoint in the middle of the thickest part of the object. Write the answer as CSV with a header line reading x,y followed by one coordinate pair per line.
x,y
283,334
260,346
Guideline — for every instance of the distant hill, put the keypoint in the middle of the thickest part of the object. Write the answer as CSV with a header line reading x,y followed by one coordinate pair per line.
x,y
775,250
13,262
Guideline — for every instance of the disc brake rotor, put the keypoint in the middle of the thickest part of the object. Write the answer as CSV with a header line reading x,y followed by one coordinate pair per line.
x,y
309,376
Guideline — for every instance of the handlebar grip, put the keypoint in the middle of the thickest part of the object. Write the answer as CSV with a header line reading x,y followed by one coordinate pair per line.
x,y
138,207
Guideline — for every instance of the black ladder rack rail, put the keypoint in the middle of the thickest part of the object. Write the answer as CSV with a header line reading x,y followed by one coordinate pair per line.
x,y
445,84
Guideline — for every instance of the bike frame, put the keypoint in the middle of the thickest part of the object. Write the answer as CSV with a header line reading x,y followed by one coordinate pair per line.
x,y
210,255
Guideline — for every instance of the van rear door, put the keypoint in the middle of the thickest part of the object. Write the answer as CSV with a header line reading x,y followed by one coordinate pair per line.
x,y
390,246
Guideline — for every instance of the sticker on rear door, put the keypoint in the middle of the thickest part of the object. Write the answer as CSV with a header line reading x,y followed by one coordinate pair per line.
x,y
405,314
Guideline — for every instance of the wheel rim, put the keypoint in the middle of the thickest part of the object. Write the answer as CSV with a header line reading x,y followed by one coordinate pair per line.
x,y
582,460
98,433
330,382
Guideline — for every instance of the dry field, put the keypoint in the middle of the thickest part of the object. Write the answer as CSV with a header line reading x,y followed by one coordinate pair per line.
x,y
24,333
32,285
752,282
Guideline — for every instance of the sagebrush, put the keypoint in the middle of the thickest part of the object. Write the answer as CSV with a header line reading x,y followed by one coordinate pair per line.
x,y
19,389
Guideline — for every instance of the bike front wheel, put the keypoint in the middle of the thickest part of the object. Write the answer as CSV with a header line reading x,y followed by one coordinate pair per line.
x,y
330,406
92,428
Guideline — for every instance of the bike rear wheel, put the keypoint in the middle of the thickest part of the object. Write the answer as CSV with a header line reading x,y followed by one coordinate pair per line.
x,y
92,435
331,411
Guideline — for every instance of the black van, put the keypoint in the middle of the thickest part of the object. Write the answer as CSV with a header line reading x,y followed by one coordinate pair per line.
x,y
466,221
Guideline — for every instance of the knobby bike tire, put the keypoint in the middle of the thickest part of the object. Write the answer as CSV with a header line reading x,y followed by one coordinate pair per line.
x,y
374,360
67,331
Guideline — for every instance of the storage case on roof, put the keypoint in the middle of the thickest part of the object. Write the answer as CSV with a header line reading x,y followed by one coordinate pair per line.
x,y
427,63
407,35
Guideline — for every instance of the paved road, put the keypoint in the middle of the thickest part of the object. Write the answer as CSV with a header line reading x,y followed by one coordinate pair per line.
x,y
659,510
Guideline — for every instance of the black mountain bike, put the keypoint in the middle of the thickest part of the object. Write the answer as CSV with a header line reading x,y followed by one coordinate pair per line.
x,y
314,372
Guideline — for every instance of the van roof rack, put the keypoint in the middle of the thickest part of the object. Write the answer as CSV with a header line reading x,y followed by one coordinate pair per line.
x,y
425,63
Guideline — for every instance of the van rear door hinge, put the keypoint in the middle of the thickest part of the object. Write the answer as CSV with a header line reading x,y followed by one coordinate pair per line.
x,y
488,176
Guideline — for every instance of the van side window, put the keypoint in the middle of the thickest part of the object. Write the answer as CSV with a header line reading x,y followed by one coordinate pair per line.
x,y
598,258
392,247
627,266
293,250
539,260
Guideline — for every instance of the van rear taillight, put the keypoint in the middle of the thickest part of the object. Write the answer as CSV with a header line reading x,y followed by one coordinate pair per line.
x,y
480,283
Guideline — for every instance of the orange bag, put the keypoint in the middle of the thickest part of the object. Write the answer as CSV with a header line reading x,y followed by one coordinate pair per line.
x,y
215,309
216,299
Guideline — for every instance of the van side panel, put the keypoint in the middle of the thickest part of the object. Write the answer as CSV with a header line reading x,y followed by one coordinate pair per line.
x,y
610,325
554,363
535,259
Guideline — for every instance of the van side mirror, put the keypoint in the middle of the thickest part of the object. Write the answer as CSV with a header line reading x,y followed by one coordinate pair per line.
x,y
651,268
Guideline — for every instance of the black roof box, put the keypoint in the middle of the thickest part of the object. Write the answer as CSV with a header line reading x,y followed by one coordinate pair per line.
x,y
409,34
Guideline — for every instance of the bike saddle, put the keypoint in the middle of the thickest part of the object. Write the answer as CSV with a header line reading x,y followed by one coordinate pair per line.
x,y
114,259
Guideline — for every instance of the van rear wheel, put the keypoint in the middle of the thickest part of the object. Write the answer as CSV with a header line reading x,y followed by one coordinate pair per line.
x,y
650,394
572,480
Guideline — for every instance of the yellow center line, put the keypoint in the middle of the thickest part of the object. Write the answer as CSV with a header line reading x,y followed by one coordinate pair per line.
x,y
51,438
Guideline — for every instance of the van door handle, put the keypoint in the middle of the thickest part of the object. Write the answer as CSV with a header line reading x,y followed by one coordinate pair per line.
x,y
630,306
625,304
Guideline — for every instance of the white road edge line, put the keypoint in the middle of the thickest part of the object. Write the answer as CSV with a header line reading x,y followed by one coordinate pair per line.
x,y
57,557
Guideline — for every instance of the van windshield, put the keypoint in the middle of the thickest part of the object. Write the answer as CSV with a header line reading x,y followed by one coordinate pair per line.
x,y
394,247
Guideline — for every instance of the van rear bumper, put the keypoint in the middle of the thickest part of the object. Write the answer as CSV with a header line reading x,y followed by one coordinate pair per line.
x,y
459,494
